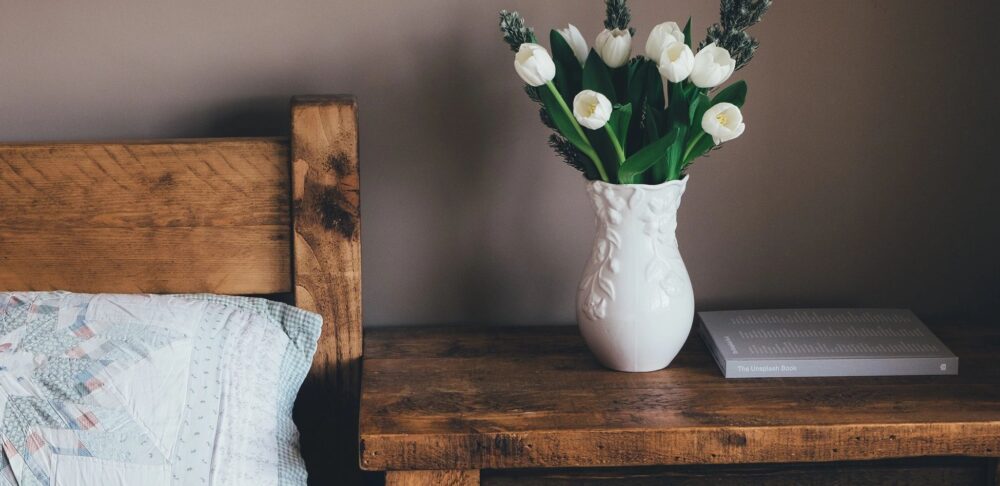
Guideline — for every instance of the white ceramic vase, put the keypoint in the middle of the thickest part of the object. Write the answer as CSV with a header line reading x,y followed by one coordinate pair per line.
x,y
635,304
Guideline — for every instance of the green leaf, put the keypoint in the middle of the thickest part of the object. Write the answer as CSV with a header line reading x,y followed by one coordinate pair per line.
x,y
620,81
654,87
687,33
653,123
674,154
597,77
569,73
735,93
637,82
678,110
642,160
640,86
693,108
653,127
700,105
703,145
644,83
620,118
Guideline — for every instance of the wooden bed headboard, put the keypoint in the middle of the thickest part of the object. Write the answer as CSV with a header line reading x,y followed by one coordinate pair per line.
x,y
257,216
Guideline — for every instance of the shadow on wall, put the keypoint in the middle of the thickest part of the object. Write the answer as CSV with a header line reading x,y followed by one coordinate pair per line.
x,y
251,117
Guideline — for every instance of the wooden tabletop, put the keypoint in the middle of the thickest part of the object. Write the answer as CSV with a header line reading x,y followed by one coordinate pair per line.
x,y
484,398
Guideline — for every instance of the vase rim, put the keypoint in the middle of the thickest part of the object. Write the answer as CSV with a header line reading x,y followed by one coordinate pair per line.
x,y
679,182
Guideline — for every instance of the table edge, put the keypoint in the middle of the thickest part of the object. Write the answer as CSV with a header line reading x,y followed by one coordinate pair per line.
x,y
678,446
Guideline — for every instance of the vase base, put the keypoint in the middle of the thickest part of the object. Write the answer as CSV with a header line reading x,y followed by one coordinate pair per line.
x,y
634,349
624,369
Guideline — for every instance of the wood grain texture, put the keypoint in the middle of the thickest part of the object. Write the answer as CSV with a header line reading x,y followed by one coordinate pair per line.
x,y
453,398
934,471
327,255
159,216
432,478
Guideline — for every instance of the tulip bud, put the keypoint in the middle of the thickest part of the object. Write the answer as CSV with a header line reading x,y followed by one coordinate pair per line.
x,y
614,47
712,66
723,122
576,42
661,37
533,63
591,109
676,62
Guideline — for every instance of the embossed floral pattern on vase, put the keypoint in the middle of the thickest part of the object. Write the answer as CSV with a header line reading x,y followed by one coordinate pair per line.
x,y
635,294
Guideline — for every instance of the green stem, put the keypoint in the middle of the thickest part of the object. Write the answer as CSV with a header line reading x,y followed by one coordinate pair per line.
x,y
579,130
693,97
690,147
617,145
597,162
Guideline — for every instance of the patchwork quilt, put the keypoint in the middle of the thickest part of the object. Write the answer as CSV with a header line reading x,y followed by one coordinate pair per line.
x,y
150,390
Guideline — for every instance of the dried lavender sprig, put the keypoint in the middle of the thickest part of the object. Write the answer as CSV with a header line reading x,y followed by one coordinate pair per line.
x,y
735,16
617,16
514,31
572,156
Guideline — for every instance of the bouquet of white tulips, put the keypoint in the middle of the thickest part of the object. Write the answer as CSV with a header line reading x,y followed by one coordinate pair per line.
x,y
612,117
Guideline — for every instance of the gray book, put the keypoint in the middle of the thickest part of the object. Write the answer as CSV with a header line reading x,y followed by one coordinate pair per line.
x,y
823,342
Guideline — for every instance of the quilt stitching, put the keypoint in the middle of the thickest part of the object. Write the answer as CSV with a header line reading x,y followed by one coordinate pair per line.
x,y
47,380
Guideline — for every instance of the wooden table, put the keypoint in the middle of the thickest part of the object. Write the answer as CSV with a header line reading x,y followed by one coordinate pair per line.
x,y
530,404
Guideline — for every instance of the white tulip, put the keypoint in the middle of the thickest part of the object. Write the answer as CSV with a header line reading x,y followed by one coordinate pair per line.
x,y
614,47
676,62
661,37
533,63
591,109
576,42
723,122
712,66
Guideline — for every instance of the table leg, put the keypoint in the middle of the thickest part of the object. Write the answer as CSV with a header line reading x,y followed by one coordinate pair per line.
x,y
468,477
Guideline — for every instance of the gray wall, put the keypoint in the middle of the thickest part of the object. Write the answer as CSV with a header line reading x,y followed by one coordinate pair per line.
x,y
865,177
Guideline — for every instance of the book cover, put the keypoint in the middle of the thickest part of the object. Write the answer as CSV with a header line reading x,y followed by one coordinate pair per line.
x,y
823,342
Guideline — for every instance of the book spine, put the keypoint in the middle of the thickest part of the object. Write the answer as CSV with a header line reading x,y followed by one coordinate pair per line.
x,y
710,343
788,368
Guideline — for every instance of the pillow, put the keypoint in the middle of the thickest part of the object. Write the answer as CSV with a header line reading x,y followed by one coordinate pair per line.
x,y
151,390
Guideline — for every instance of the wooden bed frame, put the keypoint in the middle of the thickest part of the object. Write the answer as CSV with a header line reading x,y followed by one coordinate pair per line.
x,y
252,216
